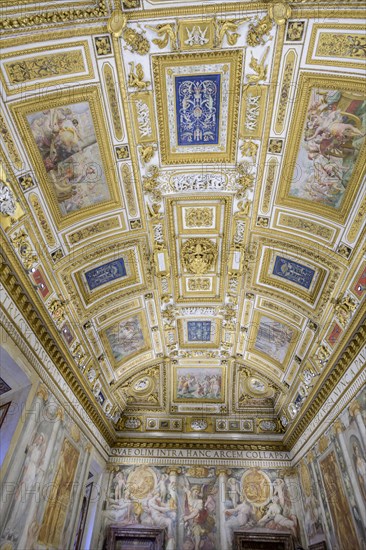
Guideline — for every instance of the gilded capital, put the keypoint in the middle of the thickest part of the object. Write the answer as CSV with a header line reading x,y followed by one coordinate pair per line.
x,y
43,392
354,408
338,427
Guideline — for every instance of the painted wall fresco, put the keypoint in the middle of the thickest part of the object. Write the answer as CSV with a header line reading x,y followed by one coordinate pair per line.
x,y
42,495
55,514
66,140
200,507
334,132
333,482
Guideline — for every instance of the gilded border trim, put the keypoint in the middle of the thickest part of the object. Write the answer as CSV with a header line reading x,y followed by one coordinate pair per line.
x,y
311,58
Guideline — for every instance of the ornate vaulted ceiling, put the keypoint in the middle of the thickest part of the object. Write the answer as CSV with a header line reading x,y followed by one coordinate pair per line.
x,y
182,206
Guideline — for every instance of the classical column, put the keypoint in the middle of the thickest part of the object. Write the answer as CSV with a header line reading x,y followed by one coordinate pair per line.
x,y
355,412
222,474
339,428
75,513
173,472
327,525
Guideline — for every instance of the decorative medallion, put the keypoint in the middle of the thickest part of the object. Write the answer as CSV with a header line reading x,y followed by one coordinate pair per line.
x,y
198,255
199,425
256,487
141,482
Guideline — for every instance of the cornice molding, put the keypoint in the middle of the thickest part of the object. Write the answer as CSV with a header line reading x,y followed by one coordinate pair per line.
x,y
38,324
101,12
338,367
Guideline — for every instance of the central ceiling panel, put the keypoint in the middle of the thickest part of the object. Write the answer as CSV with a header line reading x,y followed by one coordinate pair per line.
x,y
197,99
200,225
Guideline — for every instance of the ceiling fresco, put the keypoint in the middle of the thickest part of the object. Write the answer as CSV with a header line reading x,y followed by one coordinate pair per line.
x,y
183,199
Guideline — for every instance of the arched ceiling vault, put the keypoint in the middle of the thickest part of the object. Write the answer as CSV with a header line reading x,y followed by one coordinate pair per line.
x,y
182,206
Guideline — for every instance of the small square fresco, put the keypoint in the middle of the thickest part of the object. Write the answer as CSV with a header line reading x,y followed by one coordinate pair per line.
x,y
126,338
198,109
293,271
105,273
199,331
273,338
199,384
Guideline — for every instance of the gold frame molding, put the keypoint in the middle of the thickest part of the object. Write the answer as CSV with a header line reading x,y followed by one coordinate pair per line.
x,y
163,63
332,60
265,277
47,80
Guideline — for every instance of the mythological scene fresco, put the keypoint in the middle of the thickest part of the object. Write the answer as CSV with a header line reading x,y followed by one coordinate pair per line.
x,y
198,108
199,507
293,272
199,383
332,137
66,140
273,338
105,273
126,337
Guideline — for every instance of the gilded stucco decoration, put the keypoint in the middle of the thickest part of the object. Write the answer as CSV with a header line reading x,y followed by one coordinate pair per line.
x,y
198,255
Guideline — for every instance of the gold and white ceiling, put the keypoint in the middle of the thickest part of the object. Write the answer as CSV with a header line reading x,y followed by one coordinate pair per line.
x,y
182,191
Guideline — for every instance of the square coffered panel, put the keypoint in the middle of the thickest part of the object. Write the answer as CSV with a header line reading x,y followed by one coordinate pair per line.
x,y
197,114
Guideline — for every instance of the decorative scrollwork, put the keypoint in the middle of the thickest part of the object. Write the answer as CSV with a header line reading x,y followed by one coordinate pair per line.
x,y
167,32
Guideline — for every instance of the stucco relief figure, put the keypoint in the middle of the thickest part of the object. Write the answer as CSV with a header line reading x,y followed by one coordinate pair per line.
x,y
30,477
240,516
119,484
233,489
